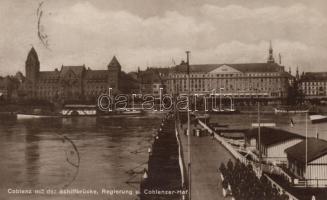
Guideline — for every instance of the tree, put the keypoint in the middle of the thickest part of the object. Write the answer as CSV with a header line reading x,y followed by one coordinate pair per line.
x,y
295,95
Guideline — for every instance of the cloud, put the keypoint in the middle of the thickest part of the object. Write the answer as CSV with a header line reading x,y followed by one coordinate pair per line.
x,y
295,14
84,33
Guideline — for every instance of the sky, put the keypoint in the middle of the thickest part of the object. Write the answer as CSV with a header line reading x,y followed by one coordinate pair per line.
x,y
143,33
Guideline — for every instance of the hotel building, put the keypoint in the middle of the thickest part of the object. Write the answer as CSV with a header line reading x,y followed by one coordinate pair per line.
x,y
267,80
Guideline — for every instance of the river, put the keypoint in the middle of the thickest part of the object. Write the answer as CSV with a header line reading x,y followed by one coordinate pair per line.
x,y
40,154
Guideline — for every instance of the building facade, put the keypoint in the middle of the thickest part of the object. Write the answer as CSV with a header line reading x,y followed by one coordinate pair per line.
x,y
240,81
70,82
151,80
314,85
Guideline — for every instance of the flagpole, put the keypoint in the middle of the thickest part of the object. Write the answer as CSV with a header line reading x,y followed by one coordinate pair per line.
x,y
259,133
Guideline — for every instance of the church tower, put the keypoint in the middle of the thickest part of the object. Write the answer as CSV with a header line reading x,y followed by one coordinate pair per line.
x,y
297,75
271,55
32,66
114,70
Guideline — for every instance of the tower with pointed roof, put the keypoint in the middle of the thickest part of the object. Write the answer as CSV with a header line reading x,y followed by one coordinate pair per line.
x,y
32,66
297,75
271,54
114,70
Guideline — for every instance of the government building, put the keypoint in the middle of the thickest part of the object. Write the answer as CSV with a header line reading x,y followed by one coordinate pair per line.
x,y
72,83
267,81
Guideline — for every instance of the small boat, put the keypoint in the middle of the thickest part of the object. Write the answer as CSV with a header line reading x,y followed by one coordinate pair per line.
x,y
318,118
36,113
291,110
132,112
128,111
224,111
272,124
67,111
34,116
202,116
78,110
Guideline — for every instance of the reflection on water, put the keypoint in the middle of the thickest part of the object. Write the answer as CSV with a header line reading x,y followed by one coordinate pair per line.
x,y
34,154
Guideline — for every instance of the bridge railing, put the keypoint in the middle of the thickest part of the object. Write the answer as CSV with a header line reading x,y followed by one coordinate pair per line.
x,y
257,167
181,162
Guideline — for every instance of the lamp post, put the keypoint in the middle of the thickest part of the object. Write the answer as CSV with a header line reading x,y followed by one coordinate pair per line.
x,y
188,124
306,144
259,133
259,126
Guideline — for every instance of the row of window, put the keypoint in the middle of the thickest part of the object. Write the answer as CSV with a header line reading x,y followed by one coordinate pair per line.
x,y
314,83
208,75
229,88
57,93
87,87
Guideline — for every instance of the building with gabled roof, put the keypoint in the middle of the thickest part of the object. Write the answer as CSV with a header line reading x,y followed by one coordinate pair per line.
x,y
310,164
273,142
71,83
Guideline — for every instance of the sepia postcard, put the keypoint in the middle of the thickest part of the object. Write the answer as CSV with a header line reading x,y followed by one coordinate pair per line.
x,y
163,99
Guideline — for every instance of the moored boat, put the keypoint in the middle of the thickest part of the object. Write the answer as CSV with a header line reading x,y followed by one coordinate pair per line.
x,y
318,118
291,110
132,112
34,116
36,113
78,110
202,116
224,111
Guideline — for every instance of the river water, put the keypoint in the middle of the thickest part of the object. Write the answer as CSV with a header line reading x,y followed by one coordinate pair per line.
x,y
42,154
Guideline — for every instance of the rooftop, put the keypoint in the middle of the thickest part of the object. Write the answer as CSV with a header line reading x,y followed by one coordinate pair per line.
x,y
314,76
242,67
78,70
316,148
272,136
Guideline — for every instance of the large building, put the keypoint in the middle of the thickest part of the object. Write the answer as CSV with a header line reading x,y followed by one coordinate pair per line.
x,y
71,82
240,81
314,85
